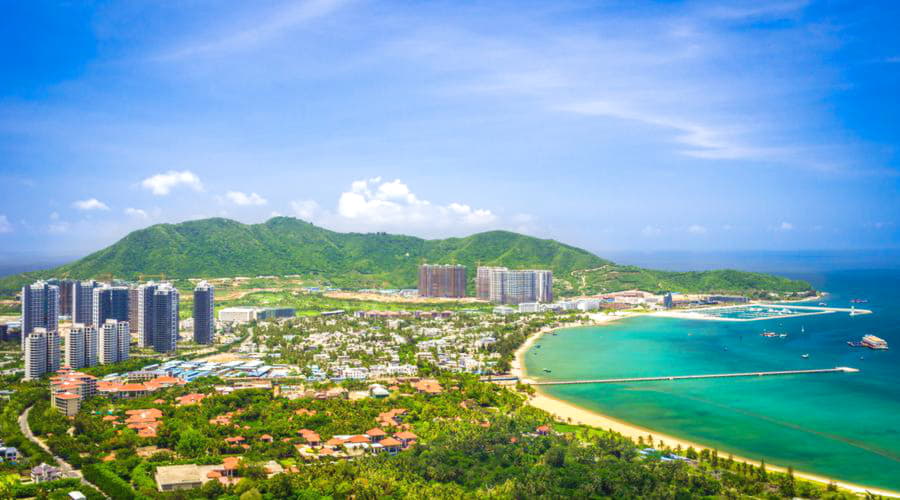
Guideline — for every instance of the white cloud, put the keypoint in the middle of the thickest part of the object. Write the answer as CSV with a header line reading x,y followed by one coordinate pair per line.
x,y
162,184
786,226
90,204
696,229
650,231
137,213
239,198
5,225
305,209
54,215
391,203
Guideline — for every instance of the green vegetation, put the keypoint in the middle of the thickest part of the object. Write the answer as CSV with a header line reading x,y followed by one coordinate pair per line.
x,y
611,278
287,246
475,440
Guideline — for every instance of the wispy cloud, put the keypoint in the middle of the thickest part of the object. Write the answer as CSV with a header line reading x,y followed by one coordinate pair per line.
x,y
257,31
162,184
90,204
5,225
137,213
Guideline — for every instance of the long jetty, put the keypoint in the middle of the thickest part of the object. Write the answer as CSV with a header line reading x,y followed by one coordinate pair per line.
x,y
839,369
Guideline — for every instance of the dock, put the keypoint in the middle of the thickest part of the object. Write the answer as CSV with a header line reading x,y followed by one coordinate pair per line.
x,y
839,369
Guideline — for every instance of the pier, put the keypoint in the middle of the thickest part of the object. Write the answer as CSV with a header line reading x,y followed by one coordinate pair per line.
x,y
839,369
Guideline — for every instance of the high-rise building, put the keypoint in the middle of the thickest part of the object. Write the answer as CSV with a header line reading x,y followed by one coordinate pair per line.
x,y
145,314
157,316
115,341
109,302
543,286
66,291
133,299
500,285
165,318
483,276
442,280
204,318
81,346
83,302
668,301
41,353
40,307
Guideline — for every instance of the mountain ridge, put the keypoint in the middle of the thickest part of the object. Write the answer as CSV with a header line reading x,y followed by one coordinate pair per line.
x,y
220,247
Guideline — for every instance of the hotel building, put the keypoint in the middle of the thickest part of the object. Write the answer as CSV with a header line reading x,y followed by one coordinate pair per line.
x,y
503,286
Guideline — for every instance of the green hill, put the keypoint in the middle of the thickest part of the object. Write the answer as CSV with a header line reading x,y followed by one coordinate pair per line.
x,y
283,245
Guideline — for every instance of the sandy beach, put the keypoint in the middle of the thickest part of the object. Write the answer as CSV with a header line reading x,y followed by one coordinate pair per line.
x,y
569,413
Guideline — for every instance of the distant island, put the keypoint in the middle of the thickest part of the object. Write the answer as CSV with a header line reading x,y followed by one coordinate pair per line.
x,y
219,247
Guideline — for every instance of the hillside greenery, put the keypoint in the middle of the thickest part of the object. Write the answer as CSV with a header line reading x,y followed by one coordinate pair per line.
x,y
286,246
476,440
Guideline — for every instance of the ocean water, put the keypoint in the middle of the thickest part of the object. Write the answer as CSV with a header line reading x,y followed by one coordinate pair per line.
x,y
840,425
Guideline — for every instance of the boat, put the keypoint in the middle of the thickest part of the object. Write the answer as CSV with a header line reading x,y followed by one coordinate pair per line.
x,y
853,311
537,345
782,335
547,370
823,304
802,329
873,342
768,334
859,301
870,341
804,356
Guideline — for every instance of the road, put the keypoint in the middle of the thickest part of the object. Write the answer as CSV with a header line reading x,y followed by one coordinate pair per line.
x,y
65,467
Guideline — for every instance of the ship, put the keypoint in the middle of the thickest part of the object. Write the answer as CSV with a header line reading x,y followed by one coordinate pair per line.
x,y
804,356
870,341
873,342
768,334
547,370
859,301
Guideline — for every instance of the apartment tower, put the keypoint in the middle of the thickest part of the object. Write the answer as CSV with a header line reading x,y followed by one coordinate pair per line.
x,y
109,302
204,319
83,302
41,353
81,347
442,280
40,307
115,341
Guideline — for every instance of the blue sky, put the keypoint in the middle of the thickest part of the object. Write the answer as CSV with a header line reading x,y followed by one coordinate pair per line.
x,y
608,125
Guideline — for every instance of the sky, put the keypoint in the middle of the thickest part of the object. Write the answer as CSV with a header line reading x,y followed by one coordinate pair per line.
x,y
607,125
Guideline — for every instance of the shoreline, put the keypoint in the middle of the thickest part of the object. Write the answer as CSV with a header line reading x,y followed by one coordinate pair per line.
x,y
564,411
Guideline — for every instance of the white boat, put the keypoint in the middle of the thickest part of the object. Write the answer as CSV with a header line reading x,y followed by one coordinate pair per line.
x,y
804,356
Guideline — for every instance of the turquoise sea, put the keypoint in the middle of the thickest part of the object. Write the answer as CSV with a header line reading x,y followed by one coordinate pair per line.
x,y
845,426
